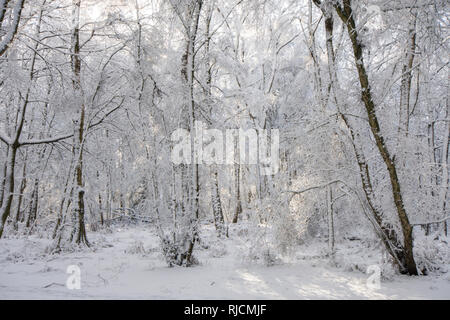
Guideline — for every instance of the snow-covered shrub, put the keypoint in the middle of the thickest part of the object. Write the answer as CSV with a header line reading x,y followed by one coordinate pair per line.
x,y
15,257
259,246
218,251
357,255
137,247
106,229
431,255
265,256
388,270
175,252
217,248
241,230
277,228
286,234
260,255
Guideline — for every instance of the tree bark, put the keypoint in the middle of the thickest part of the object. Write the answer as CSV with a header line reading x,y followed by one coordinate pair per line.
x,y
347,16
23,185
389,238
11,33
80,229
330,215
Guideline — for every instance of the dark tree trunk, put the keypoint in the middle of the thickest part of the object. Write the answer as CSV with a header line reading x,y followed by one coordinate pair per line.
x,y
347,16
80,229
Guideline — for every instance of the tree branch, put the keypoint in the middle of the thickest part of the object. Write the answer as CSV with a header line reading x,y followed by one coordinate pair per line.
x,y
432,222
4,138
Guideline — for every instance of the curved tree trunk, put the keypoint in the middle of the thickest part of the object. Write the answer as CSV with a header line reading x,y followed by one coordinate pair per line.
x,y
389,238
16,15
347,16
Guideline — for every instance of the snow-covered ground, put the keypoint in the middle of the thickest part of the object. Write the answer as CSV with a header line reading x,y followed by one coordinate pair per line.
x,y
127,264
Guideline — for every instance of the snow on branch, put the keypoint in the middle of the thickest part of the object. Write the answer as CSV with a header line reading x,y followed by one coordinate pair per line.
x,y
4,138
431,222
44,141
315,187
13,29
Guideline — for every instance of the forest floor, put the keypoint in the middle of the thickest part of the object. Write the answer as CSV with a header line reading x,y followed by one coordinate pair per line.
x,y
127,264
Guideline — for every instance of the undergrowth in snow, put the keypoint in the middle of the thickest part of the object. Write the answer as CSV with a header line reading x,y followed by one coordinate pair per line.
x,y
128,264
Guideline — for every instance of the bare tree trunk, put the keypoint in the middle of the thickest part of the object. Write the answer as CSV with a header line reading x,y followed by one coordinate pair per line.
x,y
3,182
3,8
237,188
11,33
330,215
387,235
33,205
190,20
80,229
65,198
219,220
216,202
405,88
195,187
13,144
100,202
445,168
237,182
23,185
9,187
432,159
347,16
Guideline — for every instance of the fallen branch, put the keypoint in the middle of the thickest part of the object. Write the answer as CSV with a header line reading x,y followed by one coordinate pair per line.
x,y
315,187
54,284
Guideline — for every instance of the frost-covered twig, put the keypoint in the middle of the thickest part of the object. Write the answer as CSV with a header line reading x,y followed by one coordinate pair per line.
x,y
431,222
